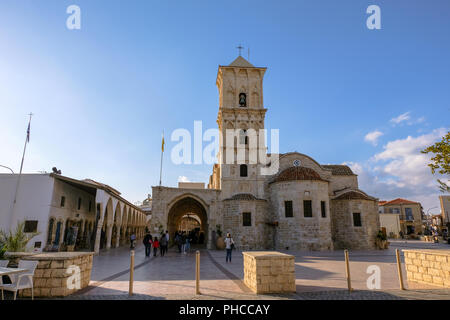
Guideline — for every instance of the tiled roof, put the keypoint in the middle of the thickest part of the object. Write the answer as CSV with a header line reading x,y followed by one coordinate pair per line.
x,y
243,196
399,201
338,169
103,185
241,62
353,195
297,173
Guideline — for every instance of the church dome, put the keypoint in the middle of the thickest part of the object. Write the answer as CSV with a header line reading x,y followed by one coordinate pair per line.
x,y
243,196
353,195
297,173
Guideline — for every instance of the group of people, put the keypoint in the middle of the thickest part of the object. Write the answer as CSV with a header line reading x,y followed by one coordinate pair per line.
x,y
183,241
162,244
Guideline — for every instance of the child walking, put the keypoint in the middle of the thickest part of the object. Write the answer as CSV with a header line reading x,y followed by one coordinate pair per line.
x,y
155,246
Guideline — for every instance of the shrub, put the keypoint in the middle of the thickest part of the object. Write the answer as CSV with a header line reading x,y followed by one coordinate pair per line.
x,y
17,241
2,251
381,235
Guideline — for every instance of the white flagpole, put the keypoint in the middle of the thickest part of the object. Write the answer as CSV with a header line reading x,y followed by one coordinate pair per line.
x,y
27,139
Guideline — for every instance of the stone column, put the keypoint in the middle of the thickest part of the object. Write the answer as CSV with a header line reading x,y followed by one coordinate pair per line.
x,y
122,236
118,236
98,235
108,236
98,232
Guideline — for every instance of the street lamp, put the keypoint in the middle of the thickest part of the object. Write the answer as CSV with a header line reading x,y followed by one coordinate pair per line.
x,y
7,168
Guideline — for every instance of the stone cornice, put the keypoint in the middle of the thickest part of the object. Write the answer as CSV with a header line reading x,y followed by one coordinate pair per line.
x,y
238,110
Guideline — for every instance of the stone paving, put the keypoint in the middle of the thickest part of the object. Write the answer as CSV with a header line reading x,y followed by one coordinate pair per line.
x,y
319,275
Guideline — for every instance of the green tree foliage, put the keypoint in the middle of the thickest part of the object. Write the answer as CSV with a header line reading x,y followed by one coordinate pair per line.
x,y
440,160
17,241
2,250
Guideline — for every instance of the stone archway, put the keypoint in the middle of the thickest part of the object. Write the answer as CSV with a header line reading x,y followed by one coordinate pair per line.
x,y
191,207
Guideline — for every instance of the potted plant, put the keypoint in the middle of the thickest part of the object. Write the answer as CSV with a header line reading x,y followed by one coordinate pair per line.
x,y
15,244
220,243
382,240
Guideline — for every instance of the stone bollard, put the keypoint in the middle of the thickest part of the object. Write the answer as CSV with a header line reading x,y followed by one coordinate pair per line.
x,y
130,291
399,268
347,271
197,272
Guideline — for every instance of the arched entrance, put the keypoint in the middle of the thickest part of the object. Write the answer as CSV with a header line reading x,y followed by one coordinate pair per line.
x,y
190,215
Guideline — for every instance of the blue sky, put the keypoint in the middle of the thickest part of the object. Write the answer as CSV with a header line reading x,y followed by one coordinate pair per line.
x,y
103,94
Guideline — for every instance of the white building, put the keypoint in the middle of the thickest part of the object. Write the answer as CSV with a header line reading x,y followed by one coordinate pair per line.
x,y
69,214
391,222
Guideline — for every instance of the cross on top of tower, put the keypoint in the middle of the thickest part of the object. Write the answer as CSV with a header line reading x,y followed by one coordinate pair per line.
x,y
239,47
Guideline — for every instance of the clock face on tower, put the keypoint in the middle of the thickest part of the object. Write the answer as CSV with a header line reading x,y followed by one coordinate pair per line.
x,y
242,100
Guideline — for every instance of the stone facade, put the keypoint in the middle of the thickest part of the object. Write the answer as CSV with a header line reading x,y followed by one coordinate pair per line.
x,y
256,236
269,272
431,267
299,232
249,201
51,277
345,234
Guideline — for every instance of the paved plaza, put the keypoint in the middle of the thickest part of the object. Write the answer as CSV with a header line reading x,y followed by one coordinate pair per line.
x,y
319,275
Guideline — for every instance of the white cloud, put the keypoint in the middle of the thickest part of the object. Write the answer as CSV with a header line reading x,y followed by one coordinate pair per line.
x,y
373,136
406,118
401,171
403,117
420,120
183,179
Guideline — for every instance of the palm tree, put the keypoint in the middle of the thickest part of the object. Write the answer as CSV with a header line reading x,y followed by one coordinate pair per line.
x,y
17,241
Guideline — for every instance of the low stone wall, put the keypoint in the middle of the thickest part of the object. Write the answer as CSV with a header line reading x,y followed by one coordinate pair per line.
x,y
54,275
431,267
269,272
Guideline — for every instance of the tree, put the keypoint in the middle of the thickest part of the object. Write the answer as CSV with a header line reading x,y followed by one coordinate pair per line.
x,y
17,241
440,160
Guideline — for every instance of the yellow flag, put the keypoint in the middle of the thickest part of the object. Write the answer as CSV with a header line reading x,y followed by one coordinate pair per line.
x,y
162,145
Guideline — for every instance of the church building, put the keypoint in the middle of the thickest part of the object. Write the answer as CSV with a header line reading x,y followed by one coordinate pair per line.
x,y
303,205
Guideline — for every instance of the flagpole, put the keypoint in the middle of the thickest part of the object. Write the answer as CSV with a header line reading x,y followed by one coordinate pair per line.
x,y
27,139
162,152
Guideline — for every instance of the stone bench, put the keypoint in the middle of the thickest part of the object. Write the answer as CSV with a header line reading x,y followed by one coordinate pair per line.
x,y
52,275
269,272
431,267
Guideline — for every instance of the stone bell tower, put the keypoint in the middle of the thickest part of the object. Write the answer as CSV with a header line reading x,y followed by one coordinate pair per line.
x,y
241,113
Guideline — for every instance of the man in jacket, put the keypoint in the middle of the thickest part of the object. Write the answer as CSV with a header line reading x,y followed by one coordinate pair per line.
x,y
148,244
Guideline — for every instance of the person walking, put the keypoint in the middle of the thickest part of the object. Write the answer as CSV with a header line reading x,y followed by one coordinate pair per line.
x,y
183,242
167,238
148,244
179,241
187,245
163,244
155,246
132,241
229,245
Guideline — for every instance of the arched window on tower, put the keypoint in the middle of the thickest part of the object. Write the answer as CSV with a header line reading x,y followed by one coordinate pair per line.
x,y
243,170
242,99
243,138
